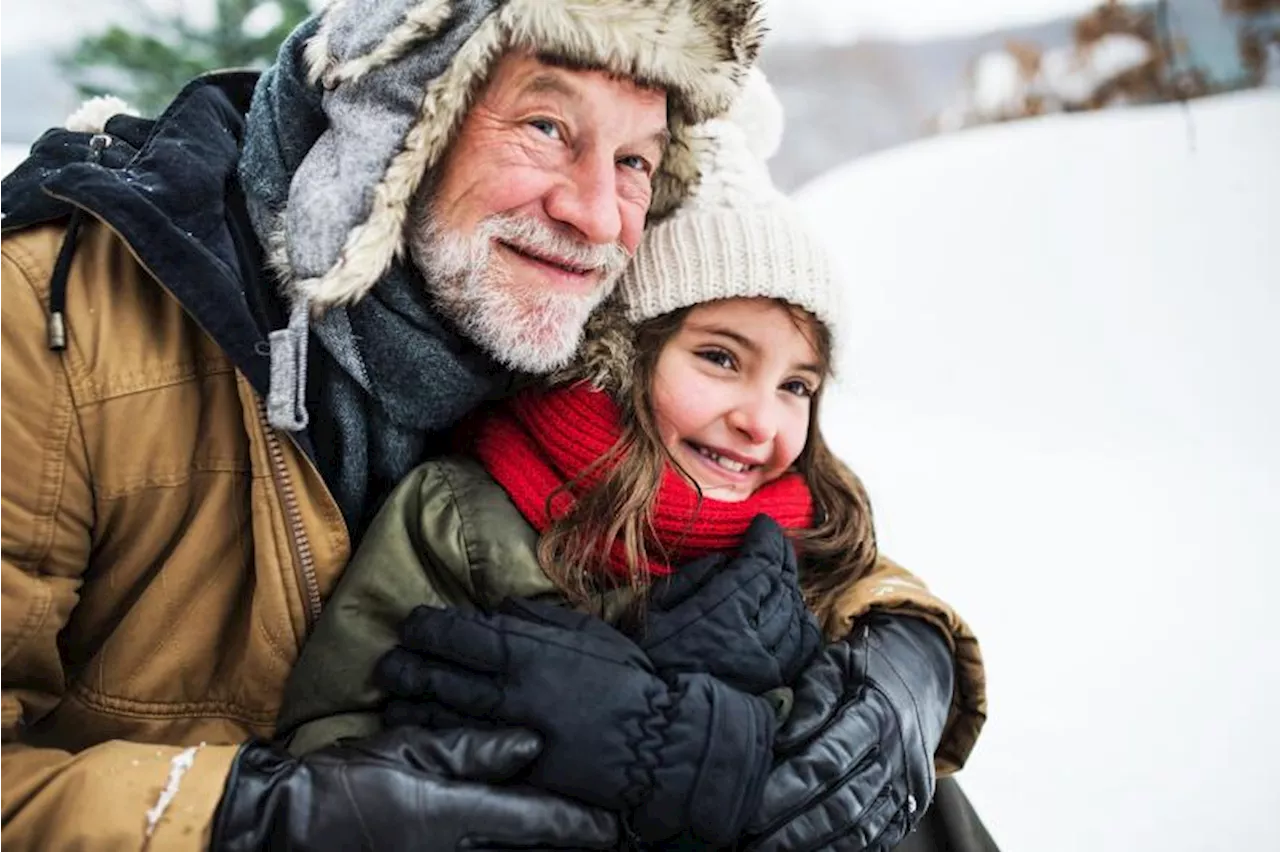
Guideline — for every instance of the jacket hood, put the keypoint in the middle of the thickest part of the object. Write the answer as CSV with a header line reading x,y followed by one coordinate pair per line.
x,y
399,75
168,188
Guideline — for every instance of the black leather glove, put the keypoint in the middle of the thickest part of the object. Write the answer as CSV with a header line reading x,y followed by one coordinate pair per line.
x,y
741,618
855,768
404,789
692,753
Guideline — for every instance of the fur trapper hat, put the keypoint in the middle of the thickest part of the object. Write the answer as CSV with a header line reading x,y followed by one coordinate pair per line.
x,y
399,75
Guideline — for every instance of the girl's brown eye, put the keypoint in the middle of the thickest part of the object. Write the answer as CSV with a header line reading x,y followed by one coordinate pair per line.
x,y
718,357
798,388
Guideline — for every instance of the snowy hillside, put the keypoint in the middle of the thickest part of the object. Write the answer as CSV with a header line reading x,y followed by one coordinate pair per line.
x,y
1063,397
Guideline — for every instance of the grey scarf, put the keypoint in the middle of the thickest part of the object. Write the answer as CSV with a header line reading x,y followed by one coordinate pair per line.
x,y
388,376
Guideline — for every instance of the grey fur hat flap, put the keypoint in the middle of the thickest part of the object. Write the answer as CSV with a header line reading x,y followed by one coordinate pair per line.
x,y
399,76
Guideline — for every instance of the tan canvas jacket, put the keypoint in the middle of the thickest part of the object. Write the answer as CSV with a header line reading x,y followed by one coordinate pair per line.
x,y
165,554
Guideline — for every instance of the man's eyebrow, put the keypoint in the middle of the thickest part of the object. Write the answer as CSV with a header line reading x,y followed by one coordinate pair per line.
x,y
549,82
662,139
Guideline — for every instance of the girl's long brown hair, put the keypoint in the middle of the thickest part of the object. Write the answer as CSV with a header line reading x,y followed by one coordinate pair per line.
x,y
836,551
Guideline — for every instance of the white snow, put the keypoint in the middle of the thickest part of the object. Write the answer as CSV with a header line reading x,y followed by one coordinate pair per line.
x,y
178,766
1062,394
11,155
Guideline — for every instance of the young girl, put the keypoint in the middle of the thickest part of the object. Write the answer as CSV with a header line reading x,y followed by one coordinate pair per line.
x,y
641,469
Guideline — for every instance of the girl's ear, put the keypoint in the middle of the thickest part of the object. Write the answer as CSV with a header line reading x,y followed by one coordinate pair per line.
x,y
606,357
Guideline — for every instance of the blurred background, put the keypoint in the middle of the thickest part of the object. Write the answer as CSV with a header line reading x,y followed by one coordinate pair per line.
x,y
1060,226
856,76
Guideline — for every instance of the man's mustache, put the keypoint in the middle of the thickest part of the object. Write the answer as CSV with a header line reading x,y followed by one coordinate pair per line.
x,y
534,236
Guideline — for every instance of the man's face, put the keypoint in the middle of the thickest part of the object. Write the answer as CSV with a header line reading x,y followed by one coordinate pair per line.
x,y
539,204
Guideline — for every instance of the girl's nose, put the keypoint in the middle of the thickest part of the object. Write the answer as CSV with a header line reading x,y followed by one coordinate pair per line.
x,y
755,420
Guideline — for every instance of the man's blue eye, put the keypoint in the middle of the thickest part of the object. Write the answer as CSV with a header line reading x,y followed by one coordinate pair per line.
x,y
545,126
638,163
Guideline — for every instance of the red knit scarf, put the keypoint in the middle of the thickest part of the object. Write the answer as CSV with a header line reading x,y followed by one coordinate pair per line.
x,y
541,440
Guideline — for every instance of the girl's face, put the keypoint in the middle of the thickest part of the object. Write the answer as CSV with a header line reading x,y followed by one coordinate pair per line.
x,y
732,392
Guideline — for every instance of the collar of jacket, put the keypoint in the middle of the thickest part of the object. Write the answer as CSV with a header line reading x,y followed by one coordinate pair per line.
x,y
168,188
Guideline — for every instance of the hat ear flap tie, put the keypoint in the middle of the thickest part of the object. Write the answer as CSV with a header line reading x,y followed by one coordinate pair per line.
x,y
287,392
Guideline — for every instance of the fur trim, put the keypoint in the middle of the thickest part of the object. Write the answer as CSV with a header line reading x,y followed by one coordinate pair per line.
x,y
606,357
420,23
371,247
316,54
92,115
698,50
275,248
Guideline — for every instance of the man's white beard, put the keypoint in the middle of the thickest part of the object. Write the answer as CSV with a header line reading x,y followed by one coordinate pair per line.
x,y
526,328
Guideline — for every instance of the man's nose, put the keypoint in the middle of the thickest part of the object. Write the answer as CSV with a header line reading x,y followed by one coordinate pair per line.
x,y
587,199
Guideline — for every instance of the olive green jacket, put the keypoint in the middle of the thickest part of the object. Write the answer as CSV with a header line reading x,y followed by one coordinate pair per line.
x,y
450,536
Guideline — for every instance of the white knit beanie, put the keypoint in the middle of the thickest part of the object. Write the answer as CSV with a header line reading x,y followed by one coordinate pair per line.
x,y
738,235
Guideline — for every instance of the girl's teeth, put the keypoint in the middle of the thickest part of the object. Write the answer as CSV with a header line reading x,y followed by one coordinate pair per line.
x,y
727,464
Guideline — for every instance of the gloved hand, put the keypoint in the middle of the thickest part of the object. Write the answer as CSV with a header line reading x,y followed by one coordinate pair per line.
x,y
741,618
855,768
692,753
403,789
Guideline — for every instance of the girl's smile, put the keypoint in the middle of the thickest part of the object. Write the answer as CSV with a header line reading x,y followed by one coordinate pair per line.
x,y
732,393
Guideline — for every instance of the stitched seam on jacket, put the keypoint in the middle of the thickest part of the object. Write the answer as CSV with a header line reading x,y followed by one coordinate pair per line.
x,y
53,469
176,479
31,624
86,390
475,576
49,493
137,709
131,384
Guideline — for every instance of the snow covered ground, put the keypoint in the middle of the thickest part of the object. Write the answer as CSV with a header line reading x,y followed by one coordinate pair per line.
x,y
10,156
1062,393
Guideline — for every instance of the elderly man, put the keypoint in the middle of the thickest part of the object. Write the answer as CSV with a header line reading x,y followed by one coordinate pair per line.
x,y
229,331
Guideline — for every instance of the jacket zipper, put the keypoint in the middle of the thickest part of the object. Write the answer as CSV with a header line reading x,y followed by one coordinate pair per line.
x,y
298,541
299,545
